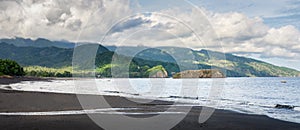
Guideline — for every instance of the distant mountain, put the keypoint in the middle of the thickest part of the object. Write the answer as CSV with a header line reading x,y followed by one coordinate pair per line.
x,y
48,53
235,66
41,56
40,42
243,66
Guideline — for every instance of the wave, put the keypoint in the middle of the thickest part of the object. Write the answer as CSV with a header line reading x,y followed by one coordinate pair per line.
x,y
113,111
297,109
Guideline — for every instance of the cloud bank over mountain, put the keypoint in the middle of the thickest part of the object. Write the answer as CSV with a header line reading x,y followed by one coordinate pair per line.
x,y
117,22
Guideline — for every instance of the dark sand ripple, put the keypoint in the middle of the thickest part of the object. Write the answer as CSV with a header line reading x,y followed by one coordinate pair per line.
x,y
33,102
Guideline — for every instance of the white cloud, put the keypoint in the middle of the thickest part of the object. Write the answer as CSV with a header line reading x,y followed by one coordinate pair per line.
x,y
241,34
284,36
59,19
238,26
66,19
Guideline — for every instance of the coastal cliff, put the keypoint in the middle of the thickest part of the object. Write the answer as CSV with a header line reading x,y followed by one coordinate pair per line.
x,y
157,72
205,73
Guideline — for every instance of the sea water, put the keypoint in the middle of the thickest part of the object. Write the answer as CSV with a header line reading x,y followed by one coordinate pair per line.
x,y
244,95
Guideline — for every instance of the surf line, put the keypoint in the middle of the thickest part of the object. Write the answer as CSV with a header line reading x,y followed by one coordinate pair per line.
x,y
81,112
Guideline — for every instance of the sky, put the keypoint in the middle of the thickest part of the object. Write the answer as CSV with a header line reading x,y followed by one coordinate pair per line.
x,y
267,30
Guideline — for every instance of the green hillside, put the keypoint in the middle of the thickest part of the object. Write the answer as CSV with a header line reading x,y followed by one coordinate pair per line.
x,y
244,66
40,42
36,56
11,68
235,66
172,59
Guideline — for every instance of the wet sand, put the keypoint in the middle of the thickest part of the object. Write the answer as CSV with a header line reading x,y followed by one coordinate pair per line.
x,y
5,80
18,101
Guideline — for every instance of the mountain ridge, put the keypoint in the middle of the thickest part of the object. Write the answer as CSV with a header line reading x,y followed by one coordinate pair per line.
x,y
39,42
44,52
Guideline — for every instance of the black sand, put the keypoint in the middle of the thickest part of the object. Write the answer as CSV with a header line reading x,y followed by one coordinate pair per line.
x,y
9,79
16,101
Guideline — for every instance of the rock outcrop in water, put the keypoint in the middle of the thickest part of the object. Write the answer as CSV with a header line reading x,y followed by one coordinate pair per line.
x,y
279,106
157,72
205,73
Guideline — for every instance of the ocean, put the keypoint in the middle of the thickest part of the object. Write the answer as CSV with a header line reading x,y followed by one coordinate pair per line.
x,y
244,95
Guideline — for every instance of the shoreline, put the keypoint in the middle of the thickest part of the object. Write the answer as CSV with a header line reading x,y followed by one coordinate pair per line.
x,y
22,101
6,80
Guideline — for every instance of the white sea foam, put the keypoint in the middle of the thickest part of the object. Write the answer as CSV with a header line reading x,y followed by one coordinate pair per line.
x,y
297,109
90,111
246,95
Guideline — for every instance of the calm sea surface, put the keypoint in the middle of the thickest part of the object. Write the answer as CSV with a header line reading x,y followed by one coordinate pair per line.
x,y
245,95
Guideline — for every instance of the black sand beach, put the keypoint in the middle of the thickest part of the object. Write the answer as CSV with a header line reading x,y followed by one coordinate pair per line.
x,y
10,79
17,101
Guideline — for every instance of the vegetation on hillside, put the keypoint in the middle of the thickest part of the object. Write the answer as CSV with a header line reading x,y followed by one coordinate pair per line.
x,y
244,67
157,71
11,68
51,57
124,66
39,71
32,56
43,60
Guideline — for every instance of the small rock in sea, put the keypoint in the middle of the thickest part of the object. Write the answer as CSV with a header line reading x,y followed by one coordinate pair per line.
x,y
136,94
283,81
7,87
284,106
174,97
